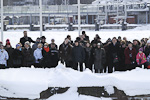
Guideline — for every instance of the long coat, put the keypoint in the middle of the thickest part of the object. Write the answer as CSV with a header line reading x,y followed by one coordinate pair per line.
x,y
147,50
17,57
87,56
78,54
54,57
65,52
3,57
130,59
10,60
100,58
28,57
46,58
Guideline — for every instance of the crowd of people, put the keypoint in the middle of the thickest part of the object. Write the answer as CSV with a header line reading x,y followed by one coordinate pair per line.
x,y
116,54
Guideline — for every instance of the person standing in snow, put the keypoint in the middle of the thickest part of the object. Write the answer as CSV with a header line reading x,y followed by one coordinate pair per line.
x,y
17,56
3,57
46,63
114,56
10,50
100,58
43,40
35,45
78,56
38,56
87,55
65,53
28,58
52,43
54,55
25,39
147,48
130,57
141,58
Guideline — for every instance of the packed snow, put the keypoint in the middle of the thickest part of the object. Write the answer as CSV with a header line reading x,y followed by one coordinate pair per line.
x,y
30,82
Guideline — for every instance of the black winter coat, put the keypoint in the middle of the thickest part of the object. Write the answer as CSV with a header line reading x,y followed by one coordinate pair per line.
x,y
54,57
24,39
78,54
28,57
17,57
114,52
147,50
46,58
10,60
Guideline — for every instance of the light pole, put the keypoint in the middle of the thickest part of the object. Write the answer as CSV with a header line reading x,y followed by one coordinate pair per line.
x,y
41,24
79,18
2,20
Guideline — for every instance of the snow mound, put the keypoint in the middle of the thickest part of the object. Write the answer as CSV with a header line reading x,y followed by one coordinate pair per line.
x,y
30,82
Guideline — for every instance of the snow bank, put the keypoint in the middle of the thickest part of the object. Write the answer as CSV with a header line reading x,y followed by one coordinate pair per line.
x,y
29,83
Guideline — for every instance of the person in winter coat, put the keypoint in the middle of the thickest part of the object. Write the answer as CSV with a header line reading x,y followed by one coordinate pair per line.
x,y
54,56
28,57
100,58
35,45
46,63
3,57
25,39
136,45
52,43
17,56
147,48
78,56
43,40
94,46
38,56
114,56
87,55
65,53
9,50
141,58
122,56
130,57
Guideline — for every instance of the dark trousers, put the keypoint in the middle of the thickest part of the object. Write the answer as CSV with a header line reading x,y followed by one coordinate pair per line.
x,y
75,66
37,65
87,65
2,66
98,70
113,65
68,64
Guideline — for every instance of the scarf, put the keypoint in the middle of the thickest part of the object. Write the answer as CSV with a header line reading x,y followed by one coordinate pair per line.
x,y
46,49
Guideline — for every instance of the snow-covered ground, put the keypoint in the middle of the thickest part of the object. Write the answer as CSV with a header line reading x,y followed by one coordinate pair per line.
x,y
29,83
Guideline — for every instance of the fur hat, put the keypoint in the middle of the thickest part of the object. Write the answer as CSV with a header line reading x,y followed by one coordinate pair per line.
x,y
27,43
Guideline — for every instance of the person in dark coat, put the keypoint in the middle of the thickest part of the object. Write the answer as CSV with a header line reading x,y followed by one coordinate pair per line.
x,y
25,39
17,57
87,55
147,48
35,45
65,53
53,43
78,56
54,55
9,50
100,58
94,45
136,45
46,56
43,40
114,56
122,57
130,57
28,57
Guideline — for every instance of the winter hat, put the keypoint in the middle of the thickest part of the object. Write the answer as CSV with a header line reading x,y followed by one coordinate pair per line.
x,y
43,37
7,40
18,45
27,43
141,49
99,44
148,41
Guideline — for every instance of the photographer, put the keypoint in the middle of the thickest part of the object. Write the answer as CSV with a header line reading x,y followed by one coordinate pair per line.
x,y
3,57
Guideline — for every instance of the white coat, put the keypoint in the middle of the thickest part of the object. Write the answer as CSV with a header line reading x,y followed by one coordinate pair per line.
x,y
3,57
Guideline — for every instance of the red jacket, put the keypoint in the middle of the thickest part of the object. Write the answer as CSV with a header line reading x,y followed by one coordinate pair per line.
x,y
142,57
128,53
